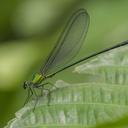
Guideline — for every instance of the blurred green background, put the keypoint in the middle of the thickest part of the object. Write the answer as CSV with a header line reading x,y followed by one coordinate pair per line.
x,y
29,29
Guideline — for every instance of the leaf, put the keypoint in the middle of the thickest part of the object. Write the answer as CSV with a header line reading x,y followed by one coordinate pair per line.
x,y
121,123
103,97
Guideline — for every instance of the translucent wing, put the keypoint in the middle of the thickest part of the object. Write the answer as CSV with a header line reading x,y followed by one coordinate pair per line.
x,y
68,44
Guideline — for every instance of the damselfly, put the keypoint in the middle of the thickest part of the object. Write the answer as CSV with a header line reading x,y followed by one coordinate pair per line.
x,y
64,51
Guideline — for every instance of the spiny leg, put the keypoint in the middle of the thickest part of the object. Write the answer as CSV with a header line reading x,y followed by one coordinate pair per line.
x,y
27,98
42,87
49,96
48,90
36,101
30,93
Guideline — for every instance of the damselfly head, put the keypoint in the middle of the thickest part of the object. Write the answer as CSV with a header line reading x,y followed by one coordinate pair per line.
x,y
26,84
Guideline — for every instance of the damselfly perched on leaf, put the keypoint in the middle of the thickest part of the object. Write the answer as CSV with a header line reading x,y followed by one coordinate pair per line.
x,y
66,48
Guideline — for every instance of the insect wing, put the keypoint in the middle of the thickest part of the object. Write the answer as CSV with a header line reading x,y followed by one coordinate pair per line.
x,y
68,44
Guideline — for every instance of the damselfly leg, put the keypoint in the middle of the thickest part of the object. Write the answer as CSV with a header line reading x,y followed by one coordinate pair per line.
x,y
29,95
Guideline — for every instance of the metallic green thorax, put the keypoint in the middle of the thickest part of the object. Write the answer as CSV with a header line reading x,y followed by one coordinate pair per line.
x,y
37,78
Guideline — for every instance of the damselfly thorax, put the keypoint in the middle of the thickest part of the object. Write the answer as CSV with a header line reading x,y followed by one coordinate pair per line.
x,y
36,81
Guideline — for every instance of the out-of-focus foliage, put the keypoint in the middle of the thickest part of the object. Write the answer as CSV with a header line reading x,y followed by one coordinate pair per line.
x,y
29,29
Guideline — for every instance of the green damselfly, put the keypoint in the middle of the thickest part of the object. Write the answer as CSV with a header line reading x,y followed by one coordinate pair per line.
x,y
66,48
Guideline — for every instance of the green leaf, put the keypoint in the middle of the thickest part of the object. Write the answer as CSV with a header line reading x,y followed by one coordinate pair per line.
x,y
121,123
103,97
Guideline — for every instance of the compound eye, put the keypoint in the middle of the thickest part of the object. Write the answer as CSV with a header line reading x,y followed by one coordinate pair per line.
x,y
25,85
